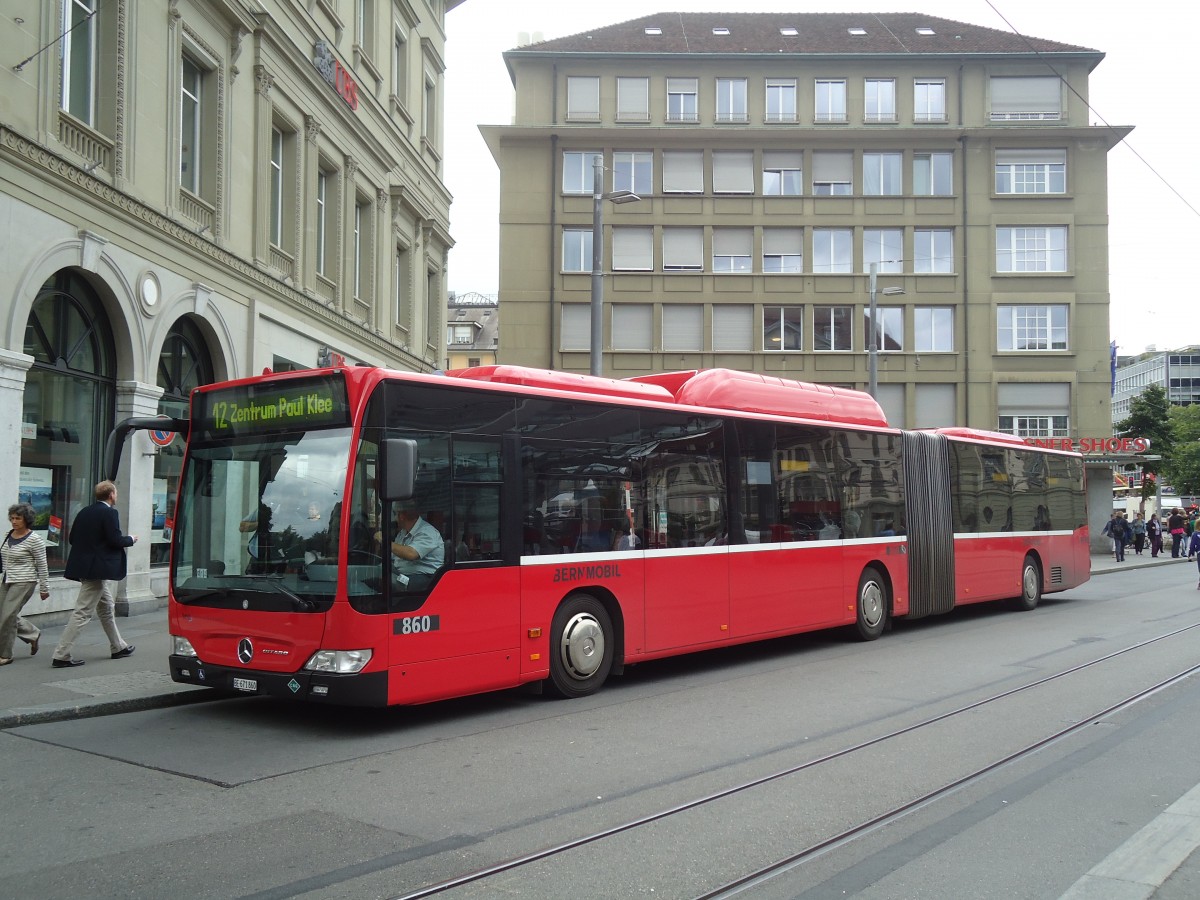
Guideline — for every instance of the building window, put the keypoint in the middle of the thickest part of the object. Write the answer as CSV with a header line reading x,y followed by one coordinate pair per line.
x,y
783,250
1031,328
632,326
733,172
833,250
400,65
783,328
429,110
681,99
683,327
1031,249
79,60
831,328
885,248
929,100
633,171
583,98
732,249
831,100
833,173
633,249
683,249
933,329
579,173
1034,426
70,393
881,174
460,333
321,248
576,326
364,26
277,163
360,247
577,250
1036,98
783,173
781,99
933,250
633,99
732,327
731,99
683,172
879,100
190,126
889,328
1031,171
933,174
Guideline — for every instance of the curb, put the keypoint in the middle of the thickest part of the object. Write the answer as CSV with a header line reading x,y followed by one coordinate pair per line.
x,y
72,709
1148,564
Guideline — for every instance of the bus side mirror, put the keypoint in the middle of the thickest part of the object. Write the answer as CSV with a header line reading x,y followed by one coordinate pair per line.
x,y
398,465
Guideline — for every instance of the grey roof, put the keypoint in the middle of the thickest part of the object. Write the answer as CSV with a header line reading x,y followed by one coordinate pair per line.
x,y
816,34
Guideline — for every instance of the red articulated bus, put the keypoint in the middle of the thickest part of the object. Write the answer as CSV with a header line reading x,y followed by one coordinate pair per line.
x,y
574,525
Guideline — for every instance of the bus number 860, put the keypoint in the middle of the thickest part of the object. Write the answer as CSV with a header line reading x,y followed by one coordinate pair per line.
x,y
416,624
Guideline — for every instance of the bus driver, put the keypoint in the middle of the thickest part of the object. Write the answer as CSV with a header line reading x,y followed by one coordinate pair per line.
x,y
417,547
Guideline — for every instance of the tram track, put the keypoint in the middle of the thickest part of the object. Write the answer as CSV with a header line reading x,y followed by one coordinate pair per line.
x,y
764,873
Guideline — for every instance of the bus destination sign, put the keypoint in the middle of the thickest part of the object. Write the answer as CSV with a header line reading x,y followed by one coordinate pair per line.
x,y
298,404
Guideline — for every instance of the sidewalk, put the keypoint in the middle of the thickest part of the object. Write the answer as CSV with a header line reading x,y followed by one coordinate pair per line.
x,y
31,691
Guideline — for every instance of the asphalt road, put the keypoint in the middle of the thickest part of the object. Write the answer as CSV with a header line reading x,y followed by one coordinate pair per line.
x,y
705,769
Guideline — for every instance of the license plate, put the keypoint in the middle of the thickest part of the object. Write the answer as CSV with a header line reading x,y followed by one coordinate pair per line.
x,y
245,684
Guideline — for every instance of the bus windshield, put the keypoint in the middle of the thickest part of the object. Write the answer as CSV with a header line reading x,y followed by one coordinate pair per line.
x,y
258,521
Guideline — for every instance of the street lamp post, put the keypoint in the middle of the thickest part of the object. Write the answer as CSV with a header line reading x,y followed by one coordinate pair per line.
x,y
597,310
873,331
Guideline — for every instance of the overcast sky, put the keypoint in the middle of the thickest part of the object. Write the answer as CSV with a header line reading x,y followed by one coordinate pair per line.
x,y
1144,81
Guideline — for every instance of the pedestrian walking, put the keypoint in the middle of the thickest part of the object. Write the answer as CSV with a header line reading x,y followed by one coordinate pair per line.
x,y
97,557
1175,526
1138,525
1117,529
24,556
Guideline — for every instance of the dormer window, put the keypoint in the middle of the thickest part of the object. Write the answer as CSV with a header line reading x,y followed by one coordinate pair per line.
x,y
789,31
857,30
653,29
924,29
720,29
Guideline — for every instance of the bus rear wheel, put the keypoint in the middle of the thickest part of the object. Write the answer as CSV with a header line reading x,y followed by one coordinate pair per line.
x,y
872,605
581,647
1031,585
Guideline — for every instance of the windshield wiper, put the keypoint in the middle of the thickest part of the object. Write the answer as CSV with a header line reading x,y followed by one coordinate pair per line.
x,y
298,602
197,595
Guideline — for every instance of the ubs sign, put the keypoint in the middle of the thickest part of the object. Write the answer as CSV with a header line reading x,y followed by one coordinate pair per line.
x,y
335,73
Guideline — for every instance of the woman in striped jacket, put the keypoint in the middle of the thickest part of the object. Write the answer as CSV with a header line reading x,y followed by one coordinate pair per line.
x,y
24,555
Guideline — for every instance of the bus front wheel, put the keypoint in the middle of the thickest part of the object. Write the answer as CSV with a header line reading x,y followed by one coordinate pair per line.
x,y
872,605
1031,585
581,651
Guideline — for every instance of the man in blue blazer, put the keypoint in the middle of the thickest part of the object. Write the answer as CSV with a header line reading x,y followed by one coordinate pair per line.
x,y
97,557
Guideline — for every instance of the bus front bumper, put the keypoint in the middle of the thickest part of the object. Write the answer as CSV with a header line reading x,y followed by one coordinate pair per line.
x,y
367,689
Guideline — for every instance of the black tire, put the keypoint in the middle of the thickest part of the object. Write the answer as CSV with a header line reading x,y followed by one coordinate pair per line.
x,y
871,605
581,647
1031,585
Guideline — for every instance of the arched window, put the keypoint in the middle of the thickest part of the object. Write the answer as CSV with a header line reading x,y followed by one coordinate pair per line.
x,y
68,405
184,364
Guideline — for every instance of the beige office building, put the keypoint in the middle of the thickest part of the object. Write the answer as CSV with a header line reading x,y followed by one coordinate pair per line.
x,y
777,158
196,190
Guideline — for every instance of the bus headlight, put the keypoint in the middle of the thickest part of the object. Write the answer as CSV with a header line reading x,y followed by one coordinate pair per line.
x,y
340,662
181,646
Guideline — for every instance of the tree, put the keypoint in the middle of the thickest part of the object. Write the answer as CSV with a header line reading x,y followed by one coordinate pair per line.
x,y
1182,467
1149,417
